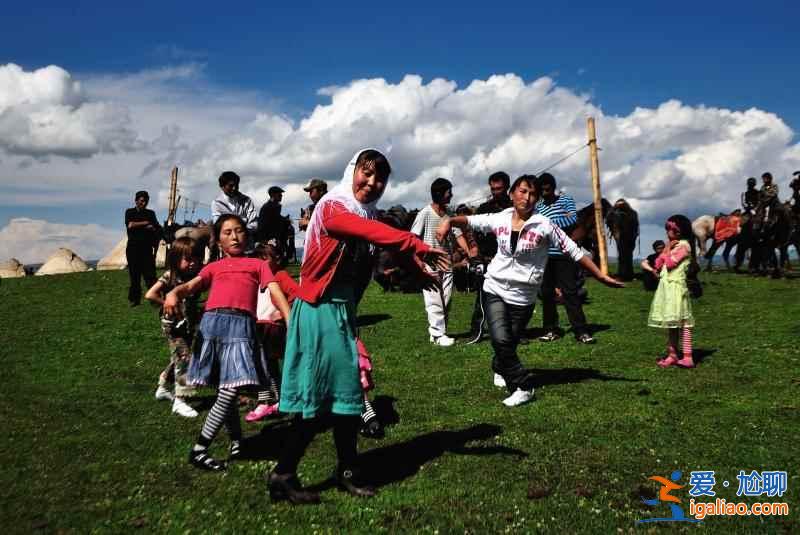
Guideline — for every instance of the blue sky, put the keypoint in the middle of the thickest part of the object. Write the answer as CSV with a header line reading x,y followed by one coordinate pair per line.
x,y
732,54
274,59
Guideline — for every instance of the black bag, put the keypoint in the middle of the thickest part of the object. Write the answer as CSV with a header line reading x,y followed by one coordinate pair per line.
x,y
695,288
693,283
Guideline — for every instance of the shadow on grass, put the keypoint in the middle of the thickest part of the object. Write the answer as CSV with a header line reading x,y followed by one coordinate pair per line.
x,y
384,408
391,464
371,319
560,376
700,354
268,443
593,328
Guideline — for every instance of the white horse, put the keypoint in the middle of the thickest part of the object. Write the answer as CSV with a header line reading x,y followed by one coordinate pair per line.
x,y
704,228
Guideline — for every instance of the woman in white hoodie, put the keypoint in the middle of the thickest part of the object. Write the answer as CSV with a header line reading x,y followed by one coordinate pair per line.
x,y
512,279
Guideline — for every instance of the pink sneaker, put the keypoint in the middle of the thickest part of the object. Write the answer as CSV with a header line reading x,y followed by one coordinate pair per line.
x,y
685,362
261,412
667,362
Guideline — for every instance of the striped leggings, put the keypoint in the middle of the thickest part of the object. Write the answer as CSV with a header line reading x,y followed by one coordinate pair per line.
x,y
225,412
686,341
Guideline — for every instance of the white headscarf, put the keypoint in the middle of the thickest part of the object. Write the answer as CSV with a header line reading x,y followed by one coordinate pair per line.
x,y
341,194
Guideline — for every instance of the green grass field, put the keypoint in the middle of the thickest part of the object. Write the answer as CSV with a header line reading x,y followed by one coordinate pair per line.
x,y
86,447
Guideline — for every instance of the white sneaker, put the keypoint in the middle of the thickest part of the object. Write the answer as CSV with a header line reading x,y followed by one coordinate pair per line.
x,y
162,394
499,381
444,340
182,408
518,398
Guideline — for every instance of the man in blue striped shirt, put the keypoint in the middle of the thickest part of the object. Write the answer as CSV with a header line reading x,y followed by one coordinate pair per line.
x,y
561,271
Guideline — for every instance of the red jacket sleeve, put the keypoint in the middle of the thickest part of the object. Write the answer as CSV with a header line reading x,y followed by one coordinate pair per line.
x,y
288,285
347,225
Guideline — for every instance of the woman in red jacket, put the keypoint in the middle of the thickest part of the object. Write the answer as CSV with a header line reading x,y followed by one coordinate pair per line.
x,y
321,372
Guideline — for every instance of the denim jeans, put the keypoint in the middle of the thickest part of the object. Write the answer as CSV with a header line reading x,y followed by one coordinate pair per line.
x,y
506,323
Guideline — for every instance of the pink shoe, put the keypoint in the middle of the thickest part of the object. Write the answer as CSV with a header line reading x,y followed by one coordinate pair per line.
x,y
667,362
261,412
685,362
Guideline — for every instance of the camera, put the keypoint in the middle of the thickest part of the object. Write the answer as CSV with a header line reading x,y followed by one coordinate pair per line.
x,y
476,267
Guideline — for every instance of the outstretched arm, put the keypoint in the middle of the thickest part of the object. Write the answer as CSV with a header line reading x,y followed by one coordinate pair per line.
x,y
587,264
447,224
172,301
276,294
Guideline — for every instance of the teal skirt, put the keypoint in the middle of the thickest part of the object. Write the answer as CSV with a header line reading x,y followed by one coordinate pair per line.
x,y
320,367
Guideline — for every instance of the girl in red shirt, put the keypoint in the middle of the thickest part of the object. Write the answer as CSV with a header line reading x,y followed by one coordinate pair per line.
x,y
320,370
271,331
226,350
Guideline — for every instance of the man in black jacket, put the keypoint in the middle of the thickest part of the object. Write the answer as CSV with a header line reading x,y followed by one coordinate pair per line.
x,y
144,234
499,183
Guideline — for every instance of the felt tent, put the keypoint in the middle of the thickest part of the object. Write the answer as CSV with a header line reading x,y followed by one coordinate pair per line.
x,y
11,269
115,259
63,261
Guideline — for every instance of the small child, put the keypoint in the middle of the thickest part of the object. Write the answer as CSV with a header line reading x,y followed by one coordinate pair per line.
x,y
226,350
649,273
271,327
184,259
671,308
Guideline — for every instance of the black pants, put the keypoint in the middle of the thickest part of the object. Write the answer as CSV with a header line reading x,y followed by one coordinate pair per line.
x,y
506,323
141,263
561,272
302,432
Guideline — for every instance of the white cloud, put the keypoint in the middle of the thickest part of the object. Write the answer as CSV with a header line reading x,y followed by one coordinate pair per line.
x,y
32,241
666,159
46,112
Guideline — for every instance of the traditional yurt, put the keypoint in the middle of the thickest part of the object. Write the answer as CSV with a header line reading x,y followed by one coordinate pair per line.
x,y
11,269
63,261
115,259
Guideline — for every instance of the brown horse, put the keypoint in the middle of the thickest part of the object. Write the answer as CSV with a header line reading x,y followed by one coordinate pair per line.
x,y
623,222
583,232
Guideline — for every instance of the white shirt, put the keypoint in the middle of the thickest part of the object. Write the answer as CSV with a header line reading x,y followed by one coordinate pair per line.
x,y
241,205
515,277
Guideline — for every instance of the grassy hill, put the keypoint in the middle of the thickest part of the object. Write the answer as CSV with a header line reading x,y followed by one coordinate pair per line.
x,y
86,447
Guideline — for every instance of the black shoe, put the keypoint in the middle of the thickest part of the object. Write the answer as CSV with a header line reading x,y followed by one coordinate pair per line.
x,y
235,451
348,481
201,459
372,429
586,338
551,336
287,487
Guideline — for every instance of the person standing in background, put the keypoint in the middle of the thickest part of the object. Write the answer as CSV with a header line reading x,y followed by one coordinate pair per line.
x,y
144,234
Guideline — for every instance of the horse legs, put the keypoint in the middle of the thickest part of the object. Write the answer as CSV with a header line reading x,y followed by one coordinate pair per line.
x,y
710,254
726,253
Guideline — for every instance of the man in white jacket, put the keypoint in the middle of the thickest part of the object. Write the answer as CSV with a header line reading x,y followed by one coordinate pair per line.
x,y
512,279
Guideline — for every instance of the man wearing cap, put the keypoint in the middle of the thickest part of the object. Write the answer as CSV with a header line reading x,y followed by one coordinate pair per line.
x,y
270,224
144,233
316,188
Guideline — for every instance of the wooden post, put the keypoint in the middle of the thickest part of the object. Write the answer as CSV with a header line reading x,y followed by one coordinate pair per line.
x,y
598,198
172,203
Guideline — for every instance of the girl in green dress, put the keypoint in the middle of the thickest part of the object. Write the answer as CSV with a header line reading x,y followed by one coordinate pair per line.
x,y
671,308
